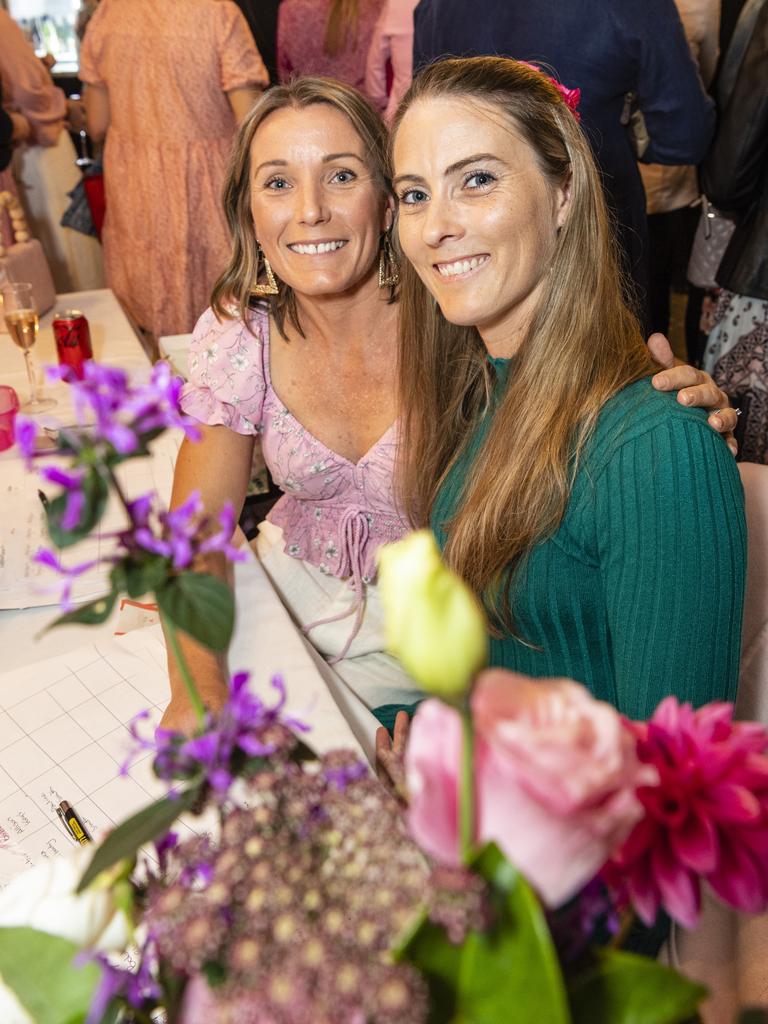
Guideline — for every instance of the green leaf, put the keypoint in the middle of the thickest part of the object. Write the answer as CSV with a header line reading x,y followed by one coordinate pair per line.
x,y
90,614
201,606
624,988
96,493
146,577
40,970
513,964
131,834
439,961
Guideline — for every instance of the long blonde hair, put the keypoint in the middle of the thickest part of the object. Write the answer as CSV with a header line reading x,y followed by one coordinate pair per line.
x,y
341,25
582,346
245,267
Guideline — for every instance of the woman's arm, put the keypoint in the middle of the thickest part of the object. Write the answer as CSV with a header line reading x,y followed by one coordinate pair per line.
x,y
33,93
671,539
96,111
241,100
219,467
376,64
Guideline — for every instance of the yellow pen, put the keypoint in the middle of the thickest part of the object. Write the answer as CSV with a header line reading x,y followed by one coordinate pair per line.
x,y
73,823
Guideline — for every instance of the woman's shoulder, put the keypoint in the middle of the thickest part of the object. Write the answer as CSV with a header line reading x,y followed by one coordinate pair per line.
x,y
656,426
639,408
232,330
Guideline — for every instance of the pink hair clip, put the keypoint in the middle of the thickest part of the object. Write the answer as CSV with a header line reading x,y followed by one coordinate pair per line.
x,y
571,97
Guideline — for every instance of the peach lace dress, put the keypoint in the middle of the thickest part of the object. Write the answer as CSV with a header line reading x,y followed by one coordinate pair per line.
x,y
167,68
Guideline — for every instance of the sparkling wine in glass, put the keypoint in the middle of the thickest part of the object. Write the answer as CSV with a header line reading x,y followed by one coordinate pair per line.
x,y
21,320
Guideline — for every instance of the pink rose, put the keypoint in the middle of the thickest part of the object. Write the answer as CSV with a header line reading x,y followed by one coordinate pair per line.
x,y
555,779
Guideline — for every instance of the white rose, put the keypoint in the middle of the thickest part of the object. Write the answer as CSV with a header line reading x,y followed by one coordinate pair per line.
x,y
44,898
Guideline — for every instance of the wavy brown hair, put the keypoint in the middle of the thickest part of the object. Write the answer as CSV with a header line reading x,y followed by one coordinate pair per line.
x,y
244,269
341,25
582,345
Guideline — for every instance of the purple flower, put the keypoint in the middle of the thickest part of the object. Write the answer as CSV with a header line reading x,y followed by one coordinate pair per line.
x,y
72,484
138,989
26,434
163,847
177,535
169,762
47,557
122,413
220,541
245,725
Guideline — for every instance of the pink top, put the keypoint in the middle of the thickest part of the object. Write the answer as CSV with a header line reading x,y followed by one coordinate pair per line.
x,y
391,43
300,38
27,85
335,513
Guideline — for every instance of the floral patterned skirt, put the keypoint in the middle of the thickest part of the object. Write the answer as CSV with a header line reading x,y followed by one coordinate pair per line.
x,y
737,357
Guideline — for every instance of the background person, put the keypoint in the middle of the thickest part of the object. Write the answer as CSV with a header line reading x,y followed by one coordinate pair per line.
x,y
325,37
735,177
672,193
166,84
389,64
43,169
609,51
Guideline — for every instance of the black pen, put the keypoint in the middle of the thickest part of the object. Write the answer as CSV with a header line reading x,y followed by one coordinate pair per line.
x,y
75,826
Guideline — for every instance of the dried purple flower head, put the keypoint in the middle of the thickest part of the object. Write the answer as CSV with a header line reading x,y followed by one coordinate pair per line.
x,y
458,901
313,902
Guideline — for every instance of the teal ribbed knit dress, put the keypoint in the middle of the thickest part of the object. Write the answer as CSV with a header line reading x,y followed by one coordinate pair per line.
x,y
639,592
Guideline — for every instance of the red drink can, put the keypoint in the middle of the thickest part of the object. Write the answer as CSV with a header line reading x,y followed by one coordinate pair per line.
x,y
73,339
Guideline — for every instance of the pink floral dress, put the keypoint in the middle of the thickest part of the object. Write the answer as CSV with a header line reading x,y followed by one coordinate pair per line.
x,y
335,513
167,67
301,35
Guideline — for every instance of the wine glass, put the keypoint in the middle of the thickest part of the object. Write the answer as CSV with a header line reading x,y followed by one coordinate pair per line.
x,y
21,320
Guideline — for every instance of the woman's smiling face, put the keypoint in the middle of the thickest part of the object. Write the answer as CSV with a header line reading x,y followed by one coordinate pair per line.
x,y
318,210
476,216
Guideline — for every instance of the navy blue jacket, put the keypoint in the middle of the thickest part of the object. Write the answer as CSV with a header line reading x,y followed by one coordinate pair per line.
x,y
607,48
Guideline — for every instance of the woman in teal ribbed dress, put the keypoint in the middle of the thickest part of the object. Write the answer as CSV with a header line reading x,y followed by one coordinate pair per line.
x,y
607,539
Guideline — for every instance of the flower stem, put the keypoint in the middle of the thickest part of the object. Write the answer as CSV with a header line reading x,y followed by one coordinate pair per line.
x,y
118,489
194,697
467,786
627,920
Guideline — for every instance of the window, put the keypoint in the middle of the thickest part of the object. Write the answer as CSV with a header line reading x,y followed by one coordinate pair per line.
x,y
50,26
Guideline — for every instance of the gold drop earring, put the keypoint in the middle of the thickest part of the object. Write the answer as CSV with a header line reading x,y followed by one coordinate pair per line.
x,y
389,269
270,286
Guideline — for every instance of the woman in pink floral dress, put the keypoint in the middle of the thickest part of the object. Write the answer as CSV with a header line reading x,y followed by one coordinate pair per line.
x,y
325,37
169,81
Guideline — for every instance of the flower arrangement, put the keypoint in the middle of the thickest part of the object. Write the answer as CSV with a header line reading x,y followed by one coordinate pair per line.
x,y
534,825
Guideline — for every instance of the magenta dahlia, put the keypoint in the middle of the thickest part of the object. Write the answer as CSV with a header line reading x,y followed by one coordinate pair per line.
x,y
705,818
